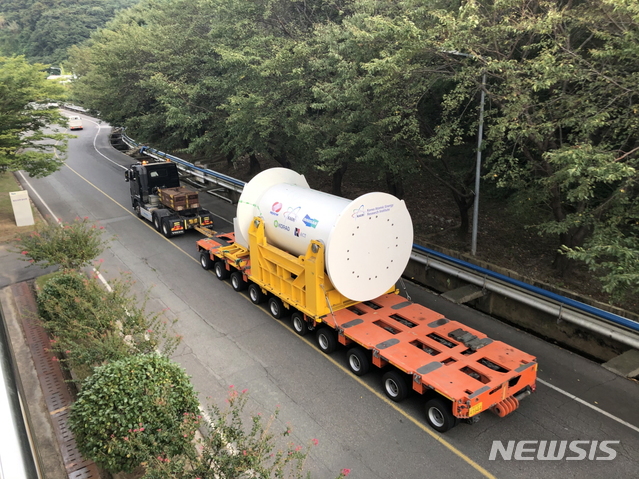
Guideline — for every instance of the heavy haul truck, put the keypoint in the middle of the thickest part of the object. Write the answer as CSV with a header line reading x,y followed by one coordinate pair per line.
x,y
156,195
332,264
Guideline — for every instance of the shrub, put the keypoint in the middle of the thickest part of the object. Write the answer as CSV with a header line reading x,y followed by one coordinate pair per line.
x,y
91,326
232,448
133,407
57,290
70,245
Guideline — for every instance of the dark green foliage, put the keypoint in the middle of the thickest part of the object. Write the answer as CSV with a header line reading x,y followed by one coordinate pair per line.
x,y
383,85
133,408
43,30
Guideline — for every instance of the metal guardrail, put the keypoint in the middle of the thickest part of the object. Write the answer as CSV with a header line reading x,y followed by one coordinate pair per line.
x,y
607,324
588,317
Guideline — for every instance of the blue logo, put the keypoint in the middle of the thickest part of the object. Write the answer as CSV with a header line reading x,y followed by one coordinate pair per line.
x,y
310,222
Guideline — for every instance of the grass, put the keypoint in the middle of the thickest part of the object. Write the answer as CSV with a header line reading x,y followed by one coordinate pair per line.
x,y
8,228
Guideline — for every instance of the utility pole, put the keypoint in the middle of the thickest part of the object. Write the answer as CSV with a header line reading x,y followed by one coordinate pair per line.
x,y
480,134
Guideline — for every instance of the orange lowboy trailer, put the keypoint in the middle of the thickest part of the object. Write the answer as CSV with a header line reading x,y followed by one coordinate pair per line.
x,y
458,370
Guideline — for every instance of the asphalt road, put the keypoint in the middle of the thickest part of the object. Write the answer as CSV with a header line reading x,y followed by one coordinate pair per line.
x,y
229,341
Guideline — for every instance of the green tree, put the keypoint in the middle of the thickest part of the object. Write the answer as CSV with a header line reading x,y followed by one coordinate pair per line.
x,y
562,126
26,137
134,407
43,30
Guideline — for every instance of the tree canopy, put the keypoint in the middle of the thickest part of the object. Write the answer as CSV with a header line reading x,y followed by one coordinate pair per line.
x,y
43,30
27,125
327,84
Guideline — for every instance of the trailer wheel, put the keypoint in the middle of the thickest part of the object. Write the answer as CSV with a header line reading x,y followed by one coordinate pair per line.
x,y
439,414
395,386
156,222
255,294
237,281
276,307
219,268
166,231
358,361
205,260
326,340
300,326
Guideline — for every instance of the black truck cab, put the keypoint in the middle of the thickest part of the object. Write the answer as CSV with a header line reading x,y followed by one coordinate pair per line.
x,y
145,179
149,181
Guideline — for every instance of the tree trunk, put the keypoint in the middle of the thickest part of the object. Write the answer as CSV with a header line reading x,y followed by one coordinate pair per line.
x,y
254,165
573,238
464,203
281,158
395,185
338,176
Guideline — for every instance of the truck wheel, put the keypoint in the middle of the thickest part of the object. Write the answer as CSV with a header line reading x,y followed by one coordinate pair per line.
x,y
166,231
395,386
156,222
326,340
358,361
255,294
439,414
219,268
205,260
237,281
137,209
276,307
300,326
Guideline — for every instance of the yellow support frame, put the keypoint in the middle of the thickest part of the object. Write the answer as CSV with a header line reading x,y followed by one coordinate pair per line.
x,y
299,281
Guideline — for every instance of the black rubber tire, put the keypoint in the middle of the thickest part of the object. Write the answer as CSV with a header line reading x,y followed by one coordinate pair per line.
x,y
166,231
358,361
255,294
219,268
439,414
276,307
237,281
395,386
326,340
156,222
205,260
137,209
299,324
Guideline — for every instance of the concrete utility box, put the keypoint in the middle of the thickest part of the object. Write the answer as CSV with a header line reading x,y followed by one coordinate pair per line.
x,y
21,208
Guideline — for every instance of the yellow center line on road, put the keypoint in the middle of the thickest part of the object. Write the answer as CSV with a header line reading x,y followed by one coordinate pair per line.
x,y
415,421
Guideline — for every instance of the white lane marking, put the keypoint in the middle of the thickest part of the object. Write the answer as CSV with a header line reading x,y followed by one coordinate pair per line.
x,y
586,403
